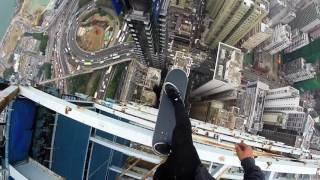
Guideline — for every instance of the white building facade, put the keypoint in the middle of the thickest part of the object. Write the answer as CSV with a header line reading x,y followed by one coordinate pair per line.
x,y
281,39
298,70
287,100
253,105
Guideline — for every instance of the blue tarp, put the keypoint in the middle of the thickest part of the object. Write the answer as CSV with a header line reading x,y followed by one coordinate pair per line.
x,y
21,127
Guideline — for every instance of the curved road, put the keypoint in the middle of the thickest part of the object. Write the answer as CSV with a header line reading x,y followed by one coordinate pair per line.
x,y
98,57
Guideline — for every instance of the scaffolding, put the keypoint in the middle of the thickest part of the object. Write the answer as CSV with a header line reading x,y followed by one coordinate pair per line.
x,y
215,145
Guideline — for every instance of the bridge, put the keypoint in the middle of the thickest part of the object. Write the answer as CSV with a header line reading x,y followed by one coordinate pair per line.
x,y
85,72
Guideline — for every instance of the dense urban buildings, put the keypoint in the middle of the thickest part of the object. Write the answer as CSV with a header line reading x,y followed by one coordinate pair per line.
x,y
227,72
147,25
245,14
298,70
253,104
83,80
256,36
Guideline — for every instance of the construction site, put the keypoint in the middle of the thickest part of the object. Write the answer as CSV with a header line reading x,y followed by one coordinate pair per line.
x,y
95,32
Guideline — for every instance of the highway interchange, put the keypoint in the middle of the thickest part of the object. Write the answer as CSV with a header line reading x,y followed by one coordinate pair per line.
x,y
69,59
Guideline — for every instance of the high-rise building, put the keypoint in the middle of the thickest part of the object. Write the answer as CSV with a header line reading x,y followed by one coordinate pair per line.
x,y
227,73
315,140
281,39
147,24
281,11
275,119
286,100
231,20
308,16
224,24
182,61
299,40
252,105
276,133
315,32
256,36
298,70
215,113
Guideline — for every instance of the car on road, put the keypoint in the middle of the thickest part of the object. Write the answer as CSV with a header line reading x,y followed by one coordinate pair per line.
x,y
87,63
116,57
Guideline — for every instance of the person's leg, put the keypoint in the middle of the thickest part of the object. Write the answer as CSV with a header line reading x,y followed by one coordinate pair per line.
x,y
183,125
184,154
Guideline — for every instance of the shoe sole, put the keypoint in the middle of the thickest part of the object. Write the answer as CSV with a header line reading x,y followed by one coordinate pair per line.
x,y
164,85
154,148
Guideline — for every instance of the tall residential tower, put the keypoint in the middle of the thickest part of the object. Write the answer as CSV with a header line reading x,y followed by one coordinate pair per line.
x,y
231,20
148,28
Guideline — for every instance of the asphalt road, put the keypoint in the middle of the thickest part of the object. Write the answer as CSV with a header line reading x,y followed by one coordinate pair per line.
x,y
78,53
66,55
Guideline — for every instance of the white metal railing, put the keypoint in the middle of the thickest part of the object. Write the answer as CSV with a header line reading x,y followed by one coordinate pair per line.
x,y
215,154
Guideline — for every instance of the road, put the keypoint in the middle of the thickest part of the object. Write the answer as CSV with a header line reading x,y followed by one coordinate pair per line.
x,y
109,74
56,38
84,72
66,55
78,54
104,82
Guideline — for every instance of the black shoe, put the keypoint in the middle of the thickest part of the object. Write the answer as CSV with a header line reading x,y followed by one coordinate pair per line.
x,y
172,92
162,149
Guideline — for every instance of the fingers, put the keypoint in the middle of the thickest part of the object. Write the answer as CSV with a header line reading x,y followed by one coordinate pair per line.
x,y
243,150
237,147
243,146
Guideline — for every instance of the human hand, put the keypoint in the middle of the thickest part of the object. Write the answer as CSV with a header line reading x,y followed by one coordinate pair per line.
x,y
243,151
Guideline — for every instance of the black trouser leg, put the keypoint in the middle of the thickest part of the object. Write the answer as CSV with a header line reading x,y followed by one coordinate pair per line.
x,y
183,160
183,151
182,132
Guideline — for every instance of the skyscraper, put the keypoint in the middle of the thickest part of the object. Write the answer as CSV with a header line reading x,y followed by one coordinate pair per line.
x,y
280,39
281,11
298,70
148,28
308,17
227,73
231,20
252,105
256,36
286,100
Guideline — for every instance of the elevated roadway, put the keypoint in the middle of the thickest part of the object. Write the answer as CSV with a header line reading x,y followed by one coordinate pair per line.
x,y
78,54
86,71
